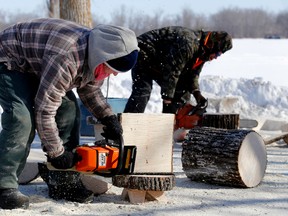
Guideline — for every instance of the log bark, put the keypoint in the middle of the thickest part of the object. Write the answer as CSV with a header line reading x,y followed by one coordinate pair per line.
x,y
226,121
225,157
145,182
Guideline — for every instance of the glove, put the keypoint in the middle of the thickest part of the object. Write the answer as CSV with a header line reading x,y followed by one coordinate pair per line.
x,y
200,99
169,108
65,161
113,129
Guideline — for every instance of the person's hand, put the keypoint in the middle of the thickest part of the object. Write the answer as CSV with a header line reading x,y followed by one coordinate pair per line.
x,y
200,99
65,161
113,129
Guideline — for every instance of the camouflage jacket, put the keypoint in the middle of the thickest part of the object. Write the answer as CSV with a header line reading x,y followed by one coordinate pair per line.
x,y
168,55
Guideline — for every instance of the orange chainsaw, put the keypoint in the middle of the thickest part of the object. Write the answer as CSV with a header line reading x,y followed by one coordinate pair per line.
x,y
189,116
106,158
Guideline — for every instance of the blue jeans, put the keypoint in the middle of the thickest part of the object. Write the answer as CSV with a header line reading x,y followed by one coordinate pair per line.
x,y
17,93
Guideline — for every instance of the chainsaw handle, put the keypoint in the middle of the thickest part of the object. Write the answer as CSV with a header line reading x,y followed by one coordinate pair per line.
x,y
199,107
120,160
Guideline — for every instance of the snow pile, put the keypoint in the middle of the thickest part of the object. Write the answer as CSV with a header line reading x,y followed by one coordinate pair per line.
x,y
256,98
251,98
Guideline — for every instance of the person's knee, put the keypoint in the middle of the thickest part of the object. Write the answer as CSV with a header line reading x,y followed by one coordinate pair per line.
x,y
19,120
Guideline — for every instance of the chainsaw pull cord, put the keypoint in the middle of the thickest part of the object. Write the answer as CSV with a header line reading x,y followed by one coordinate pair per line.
x,y
106,98
121,148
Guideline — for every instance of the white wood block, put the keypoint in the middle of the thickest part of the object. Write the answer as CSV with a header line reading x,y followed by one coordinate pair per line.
x,y
153,136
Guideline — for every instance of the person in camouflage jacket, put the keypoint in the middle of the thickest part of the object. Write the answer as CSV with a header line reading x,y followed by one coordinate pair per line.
x,y
173,57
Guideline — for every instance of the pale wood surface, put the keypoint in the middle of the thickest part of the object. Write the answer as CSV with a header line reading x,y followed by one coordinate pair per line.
x,y
29,173
153,136
97,184
139,196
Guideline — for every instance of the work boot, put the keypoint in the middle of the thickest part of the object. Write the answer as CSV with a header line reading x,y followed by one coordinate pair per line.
x,y
65,185
12,198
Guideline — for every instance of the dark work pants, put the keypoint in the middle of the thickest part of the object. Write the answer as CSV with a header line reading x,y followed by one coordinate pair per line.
x,y
17,93
142,88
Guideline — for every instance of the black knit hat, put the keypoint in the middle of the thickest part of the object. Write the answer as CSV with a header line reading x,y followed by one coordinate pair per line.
x,y
124,63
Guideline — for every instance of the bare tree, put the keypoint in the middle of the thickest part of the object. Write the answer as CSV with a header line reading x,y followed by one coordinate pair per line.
x,y
281,21
76,10
252,23
53,8
191,20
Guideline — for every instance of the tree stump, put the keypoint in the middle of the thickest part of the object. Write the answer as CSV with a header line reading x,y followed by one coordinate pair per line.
x,y
218,120
225,157
139,188
226,121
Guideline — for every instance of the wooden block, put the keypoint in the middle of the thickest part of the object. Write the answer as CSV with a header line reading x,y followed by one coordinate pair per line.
x,y
139,196
136,196
124,194
155,196
97,184
153,136
29,173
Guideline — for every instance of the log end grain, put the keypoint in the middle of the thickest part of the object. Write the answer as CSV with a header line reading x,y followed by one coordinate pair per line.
x,y
252,159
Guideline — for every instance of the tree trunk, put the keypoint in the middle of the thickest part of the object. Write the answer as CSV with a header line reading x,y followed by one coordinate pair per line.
x,y
226,157
78,11
53,8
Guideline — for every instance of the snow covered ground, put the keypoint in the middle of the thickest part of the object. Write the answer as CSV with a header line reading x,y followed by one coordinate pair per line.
x,y
249,80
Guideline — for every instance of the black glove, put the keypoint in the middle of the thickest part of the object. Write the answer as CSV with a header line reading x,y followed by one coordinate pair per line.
x,y
113,129
200,99
169,108
65,161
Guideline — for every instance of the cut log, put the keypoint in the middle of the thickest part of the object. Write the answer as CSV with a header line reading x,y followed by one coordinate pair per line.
x,y
226,121
225,157
97,184
139,196
276,138
145,182
29,173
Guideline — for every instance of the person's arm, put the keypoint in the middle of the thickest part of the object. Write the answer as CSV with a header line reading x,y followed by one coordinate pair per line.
x,y
56,79
92,97
195,87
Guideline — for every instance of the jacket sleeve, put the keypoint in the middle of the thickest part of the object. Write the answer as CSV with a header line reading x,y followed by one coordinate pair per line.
x,y
195,79
93,99
56,79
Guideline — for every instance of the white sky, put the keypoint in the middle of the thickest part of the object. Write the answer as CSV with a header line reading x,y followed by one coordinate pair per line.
x,y
106,7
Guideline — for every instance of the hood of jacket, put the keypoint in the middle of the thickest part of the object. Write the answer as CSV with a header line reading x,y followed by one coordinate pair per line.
x,y
107,42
